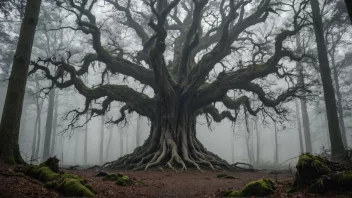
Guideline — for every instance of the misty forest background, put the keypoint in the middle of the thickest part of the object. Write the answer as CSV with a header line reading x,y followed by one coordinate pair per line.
x,y
260,142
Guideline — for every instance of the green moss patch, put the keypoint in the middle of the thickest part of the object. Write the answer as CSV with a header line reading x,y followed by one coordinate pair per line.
x,y
262,187
119,178
124,181
68,184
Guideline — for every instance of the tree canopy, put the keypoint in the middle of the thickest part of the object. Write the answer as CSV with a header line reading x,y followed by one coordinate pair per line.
x,y
192,55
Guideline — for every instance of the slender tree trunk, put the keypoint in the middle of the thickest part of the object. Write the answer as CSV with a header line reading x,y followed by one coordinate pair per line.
x,y
53,143
305,117
85,149
127,144
232,149
85,154
121,144
258,139
138,132
276,157
101,153
339,102
49,124
11,116
337,148
76,146
35,130
109,143
39,120
299,127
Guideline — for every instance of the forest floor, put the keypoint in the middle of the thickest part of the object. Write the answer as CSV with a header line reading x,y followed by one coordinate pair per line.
x,y
153,183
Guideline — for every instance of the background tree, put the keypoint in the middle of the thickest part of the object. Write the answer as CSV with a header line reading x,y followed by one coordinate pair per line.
x,y
10,120
337,148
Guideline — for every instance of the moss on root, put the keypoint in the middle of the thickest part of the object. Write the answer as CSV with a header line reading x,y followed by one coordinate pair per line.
x,y
332,182
262,187
68,184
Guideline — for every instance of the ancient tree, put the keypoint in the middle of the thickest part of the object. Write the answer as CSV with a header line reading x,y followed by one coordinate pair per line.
x,y
10,120
184,44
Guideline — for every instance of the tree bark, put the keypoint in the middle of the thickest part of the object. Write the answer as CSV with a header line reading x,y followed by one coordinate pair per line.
x,y
101,151
48,127
339,102
53,143
10,120
299,125
349,8
337,148
305,117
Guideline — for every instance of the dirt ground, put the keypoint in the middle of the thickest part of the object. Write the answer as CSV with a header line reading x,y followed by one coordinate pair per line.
x,y
153,183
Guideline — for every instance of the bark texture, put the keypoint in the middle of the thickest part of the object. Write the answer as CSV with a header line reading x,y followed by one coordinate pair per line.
x,y
337,148
10,120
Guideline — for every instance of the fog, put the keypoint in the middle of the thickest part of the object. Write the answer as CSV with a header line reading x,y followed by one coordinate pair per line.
x,y
234,141
217,139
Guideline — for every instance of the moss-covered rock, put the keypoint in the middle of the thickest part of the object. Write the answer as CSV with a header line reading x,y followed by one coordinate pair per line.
x,y
67,183
321,175
113,176
310,168
102,174
124,181
262,187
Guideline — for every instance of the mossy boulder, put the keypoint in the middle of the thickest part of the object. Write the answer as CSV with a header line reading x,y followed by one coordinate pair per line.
x,y
262,187
102,174
67,183
124,181
310,168
321,175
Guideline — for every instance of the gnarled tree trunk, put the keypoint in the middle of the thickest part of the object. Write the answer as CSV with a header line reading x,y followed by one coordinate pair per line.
x,y
172,141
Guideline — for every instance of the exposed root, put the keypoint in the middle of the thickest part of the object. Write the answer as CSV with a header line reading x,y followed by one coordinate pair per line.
x,y
190,153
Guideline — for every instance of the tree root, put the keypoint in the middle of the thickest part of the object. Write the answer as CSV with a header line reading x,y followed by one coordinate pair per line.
x,y
164,152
